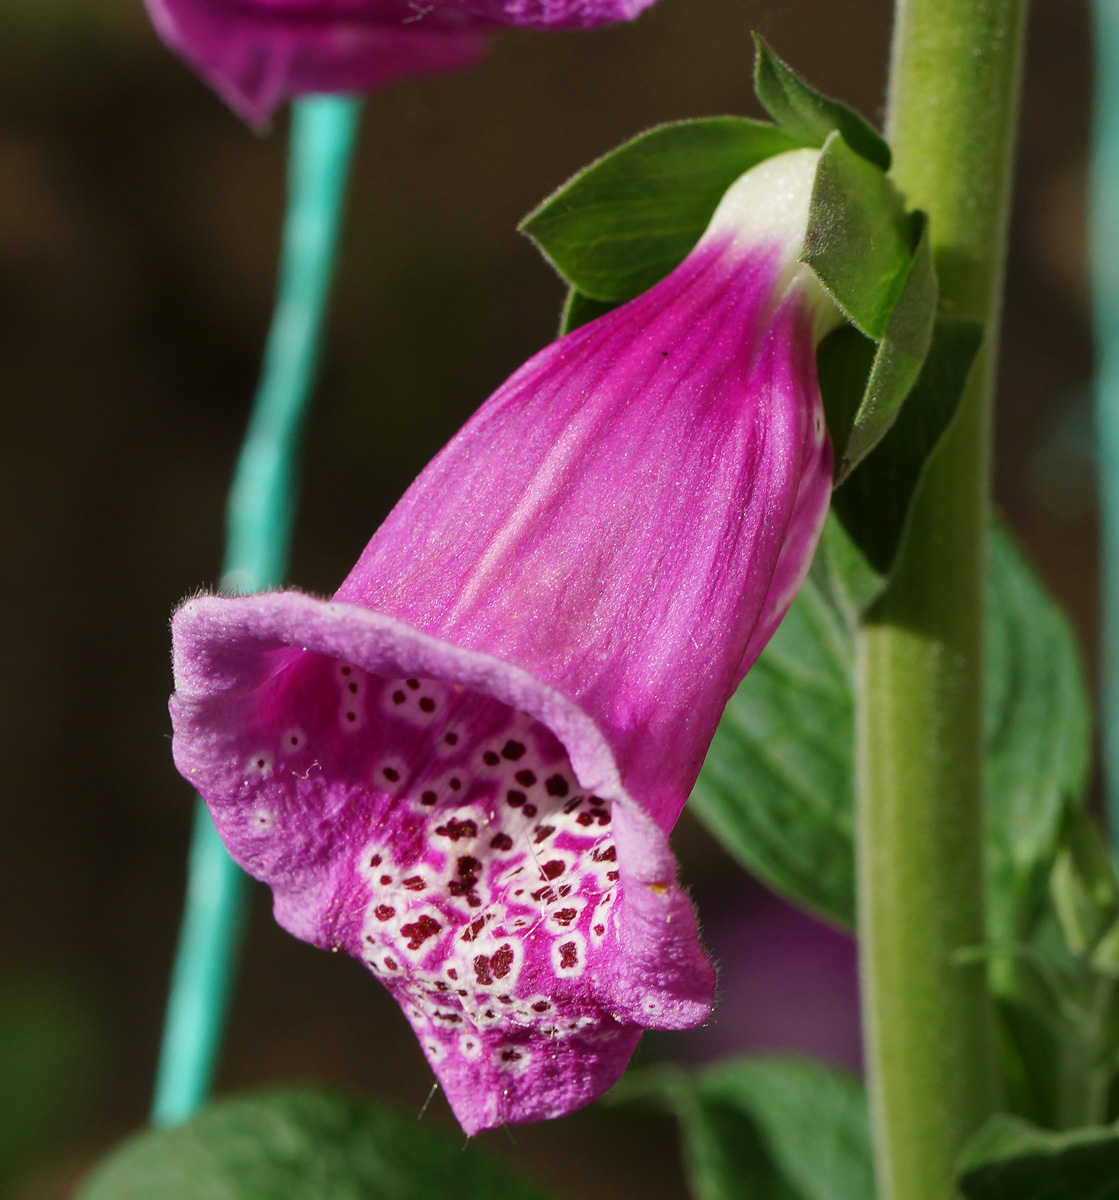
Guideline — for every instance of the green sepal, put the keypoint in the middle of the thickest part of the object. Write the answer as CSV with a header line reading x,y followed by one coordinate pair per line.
x,y
1010,1159
301,1144
860,240
623,223
777,787
579,308
870,510
786,1128
806,115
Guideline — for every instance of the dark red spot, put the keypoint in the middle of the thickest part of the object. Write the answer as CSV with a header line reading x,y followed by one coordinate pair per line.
x,y
440,985
392,774
468,865
451,739
453,1018
452,974
600,930
294,739
612,876
510,1055
390,963
490,759
505,999
597,800
584,819
603,818
545,893
351,716
542,832
540,1006
565,890
609,854
398,697
557,786
375,861
415,883
530,810
386,879
427,705
347,670
428,798
455,829
474,901
352,688
456,783
565,916
476,926
551,870
414,684
572,804
501,961
384,911
420,930
482,970
569,956
525,778
502,841
512,751
514,798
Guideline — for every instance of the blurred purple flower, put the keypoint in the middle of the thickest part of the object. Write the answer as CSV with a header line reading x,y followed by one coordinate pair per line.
x,y
258,53
463,768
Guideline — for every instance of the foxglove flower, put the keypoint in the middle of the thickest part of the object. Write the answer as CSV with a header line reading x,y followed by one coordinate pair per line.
x,y
258,53
462,769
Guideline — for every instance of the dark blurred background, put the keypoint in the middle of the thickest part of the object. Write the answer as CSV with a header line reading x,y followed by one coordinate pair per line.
x,y
138,231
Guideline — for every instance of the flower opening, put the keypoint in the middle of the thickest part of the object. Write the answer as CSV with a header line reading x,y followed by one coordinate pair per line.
x,y
462,769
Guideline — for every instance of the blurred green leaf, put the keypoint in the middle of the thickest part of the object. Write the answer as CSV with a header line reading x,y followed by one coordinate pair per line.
x,y
777,785
46,1061
806,114
578,309
627,220
778,1128
301,1145
1011,1160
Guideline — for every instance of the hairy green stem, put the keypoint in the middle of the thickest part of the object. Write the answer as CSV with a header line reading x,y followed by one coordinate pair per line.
x,y
929,1023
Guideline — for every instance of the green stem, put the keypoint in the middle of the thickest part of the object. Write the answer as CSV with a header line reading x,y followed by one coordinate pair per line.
x,y
929,1024
259,525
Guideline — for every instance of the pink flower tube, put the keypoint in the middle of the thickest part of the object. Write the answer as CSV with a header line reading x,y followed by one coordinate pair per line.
x,y
463,768
258,53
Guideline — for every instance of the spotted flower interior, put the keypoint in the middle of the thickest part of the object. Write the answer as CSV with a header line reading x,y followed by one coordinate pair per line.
x,y
470,872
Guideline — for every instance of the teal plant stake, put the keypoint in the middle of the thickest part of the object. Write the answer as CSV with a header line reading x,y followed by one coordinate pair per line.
x,y
1104,258
260,518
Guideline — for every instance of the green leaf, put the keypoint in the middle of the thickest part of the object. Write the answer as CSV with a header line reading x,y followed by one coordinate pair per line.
x,y
860,240
300,1145
806,114
579,308
627,220
782,1128
1039,737
777,785
871,509
46,1065
1011,1160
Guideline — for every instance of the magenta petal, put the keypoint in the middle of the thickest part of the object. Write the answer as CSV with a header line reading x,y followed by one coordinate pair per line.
x,y
256,54
463,769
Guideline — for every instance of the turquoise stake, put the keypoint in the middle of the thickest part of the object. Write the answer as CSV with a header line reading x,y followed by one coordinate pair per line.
x,y
1104,259
259,527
